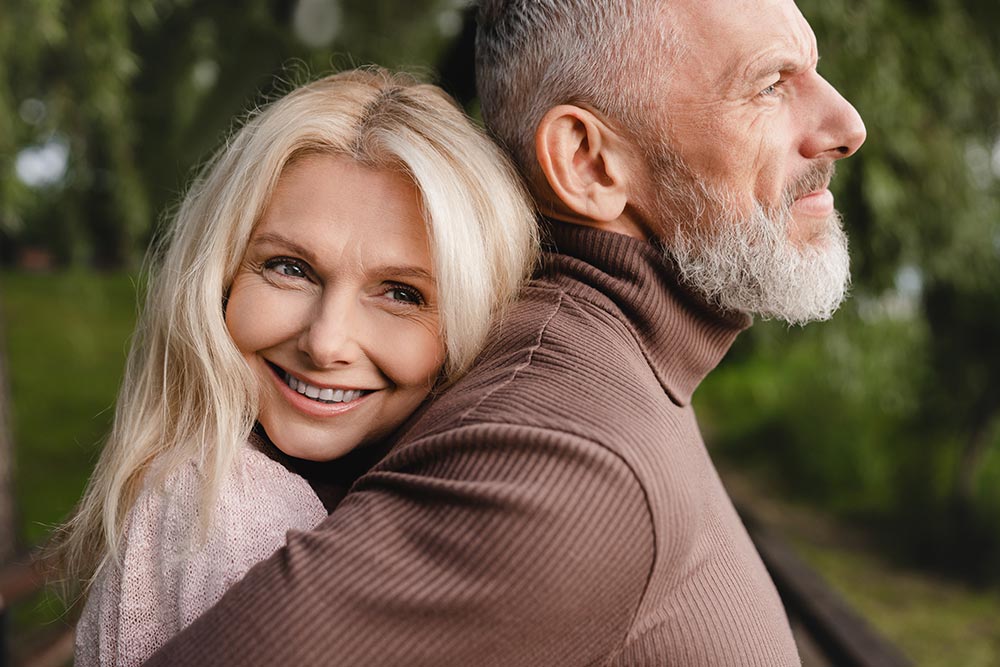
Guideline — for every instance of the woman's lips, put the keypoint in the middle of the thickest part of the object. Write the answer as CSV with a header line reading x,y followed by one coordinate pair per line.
x,y
310,406
818,204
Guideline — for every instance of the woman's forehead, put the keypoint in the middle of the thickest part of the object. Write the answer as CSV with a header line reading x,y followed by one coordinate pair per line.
x,y
333,209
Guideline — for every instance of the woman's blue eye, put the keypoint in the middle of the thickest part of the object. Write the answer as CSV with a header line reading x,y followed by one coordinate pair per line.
x,y
404,294
286,267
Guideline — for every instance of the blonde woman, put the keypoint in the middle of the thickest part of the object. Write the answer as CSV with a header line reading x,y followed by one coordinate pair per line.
x,y
342,255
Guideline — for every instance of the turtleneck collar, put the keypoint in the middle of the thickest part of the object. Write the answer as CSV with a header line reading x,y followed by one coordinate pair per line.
x,y
682,337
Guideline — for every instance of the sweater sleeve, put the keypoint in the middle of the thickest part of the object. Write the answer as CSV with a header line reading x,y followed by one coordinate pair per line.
x,y
169,574
487,545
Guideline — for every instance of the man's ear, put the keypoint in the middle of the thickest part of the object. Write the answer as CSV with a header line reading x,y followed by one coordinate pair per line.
x,y
584,162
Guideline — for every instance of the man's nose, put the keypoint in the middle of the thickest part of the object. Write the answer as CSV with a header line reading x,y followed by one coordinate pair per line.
x,y
838,130
332,336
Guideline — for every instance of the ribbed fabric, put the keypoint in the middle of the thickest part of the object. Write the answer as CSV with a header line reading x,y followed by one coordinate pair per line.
x,y
554,507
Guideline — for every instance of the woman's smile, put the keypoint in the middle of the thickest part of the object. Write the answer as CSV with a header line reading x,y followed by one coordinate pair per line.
x,y
319,392
296,395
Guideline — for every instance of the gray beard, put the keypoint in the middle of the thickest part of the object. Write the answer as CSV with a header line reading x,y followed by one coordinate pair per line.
x,y
746,262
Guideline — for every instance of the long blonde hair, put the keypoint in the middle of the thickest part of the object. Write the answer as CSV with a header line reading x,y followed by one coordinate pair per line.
x,y
187,393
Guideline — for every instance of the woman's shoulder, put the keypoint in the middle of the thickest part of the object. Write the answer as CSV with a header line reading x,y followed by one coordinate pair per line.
x,y
176,561
176,517
260,490
256,494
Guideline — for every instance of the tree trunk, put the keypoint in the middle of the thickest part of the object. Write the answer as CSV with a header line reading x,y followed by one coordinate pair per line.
x,y
972,455
8,537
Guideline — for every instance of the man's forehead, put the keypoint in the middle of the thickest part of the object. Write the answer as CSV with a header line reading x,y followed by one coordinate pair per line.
x,y
727,40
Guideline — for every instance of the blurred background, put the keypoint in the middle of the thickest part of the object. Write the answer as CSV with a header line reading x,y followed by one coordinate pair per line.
x,y
871,442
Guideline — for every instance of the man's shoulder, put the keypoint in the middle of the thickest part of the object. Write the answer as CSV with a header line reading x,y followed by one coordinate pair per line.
x,y
563,360
561,328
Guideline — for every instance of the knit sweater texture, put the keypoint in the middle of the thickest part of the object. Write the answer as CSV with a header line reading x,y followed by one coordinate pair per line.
x,y
554,507
168,574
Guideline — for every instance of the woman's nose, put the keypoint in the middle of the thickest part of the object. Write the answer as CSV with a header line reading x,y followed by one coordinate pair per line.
x,y
333,332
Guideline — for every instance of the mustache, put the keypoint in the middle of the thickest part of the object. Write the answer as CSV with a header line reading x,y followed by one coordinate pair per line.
x,y
814,178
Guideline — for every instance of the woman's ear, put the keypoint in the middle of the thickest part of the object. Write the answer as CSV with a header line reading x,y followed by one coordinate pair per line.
x,y
585,163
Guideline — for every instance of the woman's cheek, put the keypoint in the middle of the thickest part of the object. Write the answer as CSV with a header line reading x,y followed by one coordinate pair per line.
x,y
415,353
260,316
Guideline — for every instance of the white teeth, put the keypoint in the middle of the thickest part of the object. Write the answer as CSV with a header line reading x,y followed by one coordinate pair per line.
x,y
326,394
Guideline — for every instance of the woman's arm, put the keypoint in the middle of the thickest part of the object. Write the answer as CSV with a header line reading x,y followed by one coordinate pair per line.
x,y
170,573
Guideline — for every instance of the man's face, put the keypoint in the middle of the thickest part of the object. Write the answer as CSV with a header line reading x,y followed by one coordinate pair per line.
x,y
741,149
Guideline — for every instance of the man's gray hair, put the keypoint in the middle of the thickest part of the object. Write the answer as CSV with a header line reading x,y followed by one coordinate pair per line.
x,y
532,55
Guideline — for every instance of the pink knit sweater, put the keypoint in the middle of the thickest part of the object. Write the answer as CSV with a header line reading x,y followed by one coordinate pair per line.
x,y
168,576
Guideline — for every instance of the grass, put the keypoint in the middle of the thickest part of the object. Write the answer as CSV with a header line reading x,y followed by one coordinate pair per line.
x,y
65,339
66,343
936,621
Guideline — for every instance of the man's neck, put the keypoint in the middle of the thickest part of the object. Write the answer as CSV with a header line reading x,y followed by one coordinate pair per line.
x,y
620,225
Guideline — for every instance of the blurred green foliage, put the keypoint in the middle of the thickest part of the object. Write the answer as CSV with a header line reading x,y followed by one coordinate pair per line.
x,y
137,92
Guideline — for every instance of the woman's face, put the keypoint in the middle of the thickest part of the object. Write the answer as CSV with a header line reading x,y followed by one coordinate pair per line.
x,y
335,307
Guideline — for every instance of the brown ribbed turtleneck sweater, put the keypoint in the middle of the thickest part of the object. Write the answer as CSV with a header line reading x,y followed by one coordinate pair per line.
x,y
554,507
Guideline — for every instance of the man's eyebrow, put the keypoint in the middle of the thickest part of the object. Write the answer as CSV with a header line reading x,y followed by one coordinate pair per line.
x,y
772,64
777,61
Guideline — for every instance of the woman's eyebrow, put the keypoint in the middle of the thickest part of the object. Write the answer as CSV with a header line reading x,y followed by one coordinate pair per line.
x,y
407,271
273,238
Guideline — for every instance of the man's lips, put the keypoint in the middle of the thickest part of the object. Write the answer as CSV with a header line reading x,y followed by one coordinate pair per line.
x,y
818,204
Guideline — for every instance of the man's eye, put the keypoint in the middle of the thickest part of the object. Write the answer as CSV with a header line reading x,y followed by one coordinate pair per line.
x,y
771,90
404,294
286,267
